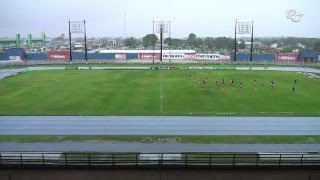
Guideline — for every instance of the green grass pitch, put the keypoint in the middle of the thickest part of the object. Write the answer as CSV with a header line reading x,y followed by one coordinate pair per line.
x,y
158,92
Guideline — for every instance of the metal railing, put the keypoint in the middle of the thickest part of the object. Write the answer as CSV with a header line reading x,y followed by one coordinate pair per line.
x,y
111,160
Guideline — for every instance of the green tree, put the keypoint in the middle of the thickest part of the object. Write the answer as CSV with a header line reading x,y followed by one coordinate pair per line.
x,y
224,43
242,44
149,40
200,43
316,45
175,43
168,41
209,42
192,40
131,42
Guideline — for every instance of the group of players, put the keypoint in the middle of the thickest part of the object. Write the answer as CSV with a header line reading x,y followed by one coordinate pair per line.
x,y
203,82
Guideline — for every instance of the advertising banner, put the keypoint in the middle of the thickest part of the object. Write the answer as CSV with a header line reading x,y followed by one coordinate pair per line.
x,y
120,56
53,55
215,57
149,55
286,57
225,57
173,56
190,56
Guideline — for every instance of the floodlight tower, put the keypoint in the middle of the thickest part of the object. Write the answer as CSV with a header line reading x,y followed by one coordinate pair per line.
x,y
85,41
243,28
161,27
78,27
251,45
70,52
235,42
161,34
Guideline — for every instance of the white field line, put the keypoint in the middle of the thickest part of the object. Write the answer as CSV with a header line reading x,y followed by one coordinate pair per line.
x,y
279,112
161,96
16,93
19,92
54,79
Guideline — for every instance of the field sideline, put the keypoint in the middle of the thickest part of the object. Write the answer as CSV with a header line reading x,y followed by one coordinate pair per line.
x,y
151,92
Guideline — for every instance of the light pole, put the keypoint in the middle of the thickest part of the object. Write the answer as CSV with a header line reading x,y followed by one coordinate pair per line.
x,y
235,42
70,52
85,42
161,27
161,34
251,47
78,27
243,28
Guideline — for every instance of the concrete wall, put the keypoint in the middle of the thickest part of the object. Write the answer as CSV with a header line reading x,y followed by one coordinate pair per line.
x,y
152,174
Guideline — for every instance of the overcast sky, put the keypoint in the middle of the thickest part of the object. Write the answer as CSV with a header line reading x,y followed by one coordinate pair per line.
x,y
202,17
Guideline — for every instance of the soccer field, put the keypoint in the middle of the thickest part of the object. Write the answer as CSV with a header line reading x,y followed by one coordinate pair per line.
x,y
159,92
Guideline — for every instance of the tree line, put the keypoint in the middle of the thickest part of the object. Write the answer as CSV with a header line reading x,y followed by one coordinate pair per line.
x,y
210,44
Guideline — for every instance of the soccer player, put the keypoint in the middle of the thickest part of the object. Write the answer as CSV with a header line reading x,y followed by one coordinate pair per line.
x,y
255,82
217,84
241,85
222,80
295,81
232,82
293,90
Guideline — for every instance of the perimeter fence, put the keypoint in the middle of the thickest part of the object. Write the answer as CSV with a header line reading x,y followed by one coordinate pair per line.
x,y
158,160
